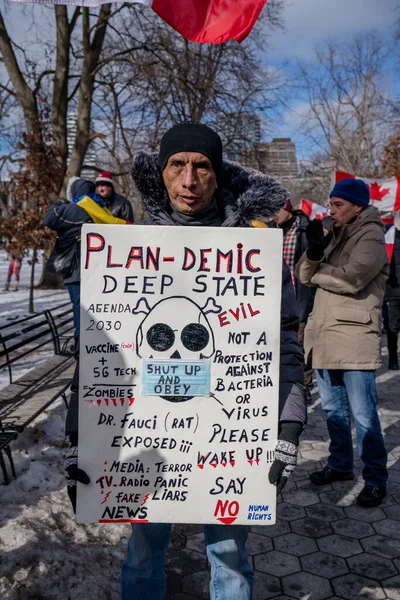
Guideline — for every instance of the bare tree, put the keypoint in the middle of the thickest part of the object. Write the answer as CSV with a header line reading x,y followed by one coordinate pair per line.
x,y
160,78
130,63
23,225
8,124
345,118
128,77
60,81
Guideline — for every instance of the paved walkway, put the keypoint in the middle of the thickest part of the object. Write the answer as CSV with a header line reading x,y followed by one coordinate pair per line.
x,y
323,546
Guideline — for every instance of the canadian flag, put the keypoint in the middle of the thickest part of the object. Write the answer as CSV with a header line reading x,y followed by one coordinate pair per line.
x,y
313,210
389,239
384,193
204,21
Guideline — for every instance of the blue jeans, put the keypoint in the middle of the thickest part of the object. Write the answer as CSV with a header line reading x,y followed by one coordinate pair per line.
x,y
143,575
341,391
74,290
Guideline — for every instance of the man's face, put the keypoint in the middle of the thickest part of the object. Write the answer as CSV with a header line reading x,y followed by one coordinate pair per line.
x,y
343,211
190,181
281,217
104,190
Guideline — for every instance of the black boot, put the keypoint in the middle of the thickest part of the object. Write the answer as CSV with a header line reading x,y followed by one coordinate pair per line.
x,y
371,495
328,475
392,348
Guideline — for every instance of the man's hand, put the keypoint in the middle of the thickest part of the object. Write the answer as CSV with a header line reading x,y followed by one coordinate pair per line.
x,y
317,241
285,454
73,474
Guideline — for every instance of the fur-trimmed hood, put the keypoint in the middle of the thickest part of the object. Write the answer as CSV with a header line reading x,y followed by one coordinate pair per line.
x,y
255,194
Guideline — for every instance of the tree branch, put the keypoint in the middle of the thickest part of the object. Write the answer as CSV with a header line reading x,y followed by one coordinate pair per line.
x,y
39,81
23,92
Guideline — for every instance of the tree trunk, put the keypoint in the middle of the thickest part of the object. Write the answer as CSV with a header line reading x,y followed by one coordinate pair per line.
x,y
24,94
59,106
91,56
32,284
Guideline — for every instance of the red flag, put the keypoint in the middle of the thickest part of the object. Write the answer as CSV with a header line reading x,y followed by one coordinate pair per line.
x,y
210,21
388,220
384,193
204,21
389,239
313,210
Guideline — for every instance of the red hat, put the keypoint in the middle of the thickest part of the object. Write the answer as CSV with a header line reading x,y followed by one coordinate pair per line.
x,y
104,177
288,206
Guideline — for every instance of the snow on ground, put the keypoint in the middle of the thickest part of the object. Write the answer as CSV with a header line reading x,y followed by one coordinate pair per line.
x,y
14,306
44,555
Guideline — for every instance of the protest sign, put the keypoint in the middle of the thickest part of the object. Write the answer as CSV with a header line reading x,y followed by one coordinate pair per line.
x,y
179,374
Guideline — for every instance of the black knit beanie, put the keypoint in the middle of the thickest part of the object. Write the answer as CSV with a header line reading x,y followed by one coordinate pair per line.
x,y
191,137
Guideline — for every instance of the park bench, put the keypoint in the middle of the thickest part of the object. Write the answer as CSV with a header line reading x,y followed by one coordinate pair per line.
x,y
6,437
23,400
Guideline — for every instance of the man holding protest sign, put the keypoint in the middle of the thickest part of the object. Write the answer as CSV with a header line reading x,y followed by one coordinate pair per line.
x,y
188,184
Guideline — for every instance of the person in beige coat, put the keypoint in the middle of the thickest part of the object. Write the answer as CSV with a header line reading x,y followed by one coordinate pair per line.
x,y
349,267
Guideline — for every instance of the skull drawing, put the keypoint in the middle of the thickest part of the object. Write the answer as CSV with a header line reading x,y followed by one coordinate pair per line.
x,y
175,328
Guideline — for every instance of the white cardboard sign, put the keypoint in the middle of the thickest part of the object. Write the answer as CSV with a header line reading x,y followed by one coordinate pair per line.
x,y
179,374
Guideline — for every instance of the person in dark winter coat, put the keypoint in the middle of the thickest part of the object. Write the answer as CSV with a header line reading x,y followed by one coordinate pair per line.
x,y
189,184
393,299
66,219
116,203
294,224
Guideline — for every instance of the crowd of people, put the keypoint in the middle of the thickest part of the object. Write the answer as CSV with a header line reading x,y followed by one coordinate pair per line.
x,y
342,260
335,274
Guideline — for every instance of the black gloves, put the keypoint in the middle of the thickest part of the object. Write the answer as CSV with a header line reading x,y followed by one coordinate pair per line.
x,y
285,454
73,474
317,241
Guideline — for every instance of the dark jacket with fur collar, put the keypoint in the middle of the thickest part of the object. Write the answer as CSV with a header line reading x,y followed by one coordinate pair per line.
x,y
244,195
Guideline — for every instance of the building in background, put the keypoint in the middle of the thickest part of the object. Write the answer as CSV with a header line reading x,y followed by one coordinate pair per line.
x,y
90,162
240,133
277,158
